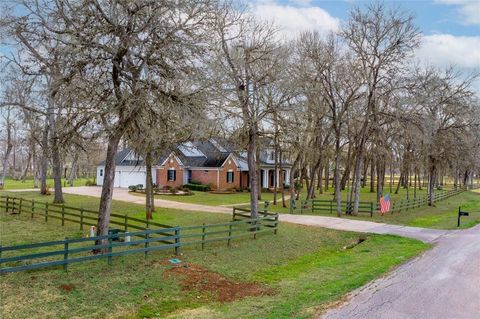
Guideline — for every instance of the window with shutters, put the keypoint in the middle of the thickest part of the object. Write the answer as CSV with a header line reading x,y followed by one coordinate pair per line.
x,y
171,176
230,177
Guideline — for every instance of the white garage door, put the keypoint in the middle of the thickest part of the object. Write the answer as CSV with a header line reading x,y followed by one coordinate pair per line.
x,y
127,178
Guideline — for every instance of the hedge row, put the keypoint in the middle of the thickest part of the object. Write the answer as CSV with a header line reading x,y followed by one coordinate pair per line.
x,y
197,187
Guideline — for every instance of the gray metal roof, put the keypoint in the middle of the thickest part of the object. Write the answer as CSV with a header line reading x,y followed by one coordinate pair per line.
x,y
215,151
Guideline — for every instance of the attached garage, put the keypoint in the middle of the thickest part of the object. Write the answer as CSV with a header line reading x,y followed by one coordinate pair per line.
x,y
129,170
126,176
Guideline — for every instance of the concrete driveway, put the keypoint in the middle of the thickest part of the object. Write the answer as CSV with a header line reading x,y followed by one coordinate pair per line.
x,y
443,283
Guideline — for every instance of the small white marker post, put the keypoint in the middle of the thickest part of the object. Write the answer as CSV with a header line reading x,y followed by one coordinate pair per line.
x,y
93,231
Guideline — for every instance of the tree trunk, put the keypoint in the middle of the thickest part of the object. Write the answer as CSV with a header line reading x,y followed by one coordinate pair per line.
x,y
380,177
26,167
73,170
149,186
107,188
399,182
7,151
257,165
57,173
282,180
275,176
252,170
327,175
35,170
338,198
431,182
44,160
356,193
372,175
320,178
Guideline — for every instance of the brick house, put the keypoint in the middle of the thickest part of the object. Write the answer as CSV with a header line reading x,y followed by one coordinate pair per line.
x,y
212,162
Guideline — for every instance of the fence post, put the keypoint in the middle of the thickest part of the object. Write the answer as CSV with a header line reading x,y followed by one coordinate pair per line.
x,y
229,234
276,224
7,201
291,205
110,249
147,224
177,240
46,212
331,207
20,206
33,208
203,236
265,206
371,209
81,219
147,238
313,203
65,254
126,222
63,215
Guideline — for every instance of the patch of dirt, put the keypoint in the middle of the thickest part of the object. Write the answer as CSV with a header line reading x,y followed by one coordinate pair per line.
x,y
66,288
195,277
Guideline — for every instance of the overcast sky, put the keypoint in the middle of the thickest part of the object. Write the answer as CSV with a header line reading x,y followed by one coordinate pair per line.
x,y
451,28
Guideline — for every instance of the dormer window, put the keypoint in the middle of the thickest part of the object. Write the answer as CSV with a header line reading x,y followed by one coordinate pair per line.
x,y
272,155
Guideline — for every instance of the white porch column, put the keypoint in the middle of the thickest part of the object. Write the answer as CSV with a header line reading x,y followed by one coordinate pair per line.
x,y
287,176
277,178
265,179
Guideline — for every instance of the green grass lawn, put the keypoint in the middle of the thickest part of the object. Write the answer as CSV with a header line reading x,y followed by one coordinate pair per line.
x,y
302,268
212,199
28,183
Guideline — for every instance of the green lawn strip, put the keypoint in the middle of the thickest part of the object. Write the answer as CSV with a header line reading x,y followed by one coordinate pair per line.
x,y
212,199
305,266
28,183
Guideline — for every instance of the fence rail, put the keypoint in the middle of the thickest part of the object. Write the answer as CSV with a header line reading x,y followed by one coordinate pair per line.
x,y
316,205
438,195
63,252
82,217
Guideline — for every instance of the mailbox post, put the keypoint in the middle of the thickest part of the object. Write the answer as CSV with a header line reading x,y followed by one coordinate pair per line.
x,y
460,213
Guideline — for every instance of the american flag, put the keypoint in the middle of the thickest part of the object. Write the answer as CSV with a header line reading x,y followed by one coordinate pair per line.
x,y
384,204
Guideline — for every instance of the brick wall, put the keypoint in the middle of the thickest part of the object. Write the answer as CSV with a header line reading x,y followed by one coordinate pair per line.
x,y
162,173
205,176
229,165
